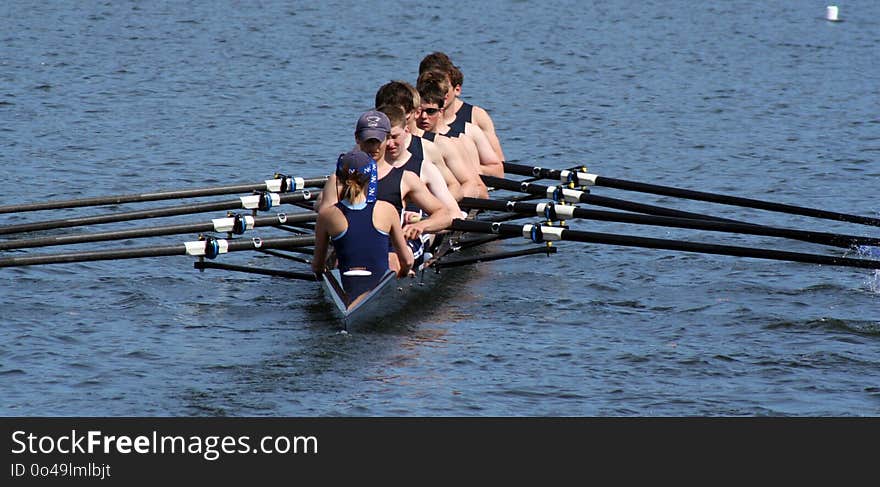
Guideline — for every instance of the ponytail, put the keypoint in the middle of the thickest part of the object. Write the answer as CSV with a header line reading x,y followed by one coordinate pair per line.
x,y
354,188
357,174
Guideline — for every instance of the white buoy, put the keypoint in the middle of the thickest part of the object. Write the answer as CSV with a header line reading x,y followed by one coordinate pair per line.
x,y
831,13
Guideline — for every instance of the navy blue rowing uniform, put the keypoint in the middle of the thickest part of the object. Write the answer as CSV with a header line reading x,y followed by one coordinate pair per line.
x,y
463,116
415,147
414,164
361,247
388,188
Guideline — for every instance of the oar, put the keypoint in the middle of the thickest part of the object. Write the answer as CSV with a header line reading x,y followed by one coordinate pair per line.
x,y
281,184
303,276
540,233
209,248
576,196
554,212
236,224
587,179
447,263
262,202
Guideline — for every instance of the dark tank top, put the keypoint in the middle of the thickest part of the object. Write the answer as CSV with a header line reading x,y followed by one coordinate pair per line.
x,y
414,164
415,147
389,188
462,116
361,246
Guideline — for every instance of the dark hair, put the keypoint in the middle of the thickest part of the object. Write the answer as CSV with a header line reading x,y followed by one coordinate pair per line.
x,y
354,184
436,60
433,87
395,114
395,93
456,77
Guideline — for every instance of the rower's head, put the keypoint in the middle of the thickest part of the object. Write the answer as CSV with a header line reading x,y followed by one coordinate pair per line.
x,y
371,133
439,61
456,79
434,90
397,93
417,105
397,137
357,174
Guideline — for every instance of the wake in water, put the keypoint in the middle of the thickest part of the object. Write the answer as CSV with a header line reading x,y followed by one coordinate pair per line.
x,y
873,282
867,251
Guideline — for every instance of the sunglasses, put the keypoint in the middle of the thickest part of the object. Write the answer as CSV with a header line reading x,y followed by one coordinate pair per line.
x,y
431,111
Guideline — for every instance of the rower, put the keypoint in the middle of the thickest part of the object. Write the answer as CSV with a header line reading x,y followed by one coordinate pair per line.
x,y
433,87
360,228
394,184
461,178
398,154
458,113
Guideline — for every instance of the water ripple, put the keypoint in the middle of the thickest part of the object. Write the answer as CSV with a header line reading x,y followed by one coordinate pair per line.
x,y
131,99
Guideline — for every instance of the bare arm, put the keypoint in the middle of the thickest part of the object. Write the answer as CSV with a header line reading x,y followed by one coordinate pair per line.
x,y
490,164
433,152
416,192
471,184
329,195
398,241
484,121
322,241
437,186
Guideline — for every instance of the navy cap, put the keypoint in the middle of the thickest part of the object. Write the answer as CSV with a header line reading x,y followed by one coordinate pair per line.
x,y
372,125
360,162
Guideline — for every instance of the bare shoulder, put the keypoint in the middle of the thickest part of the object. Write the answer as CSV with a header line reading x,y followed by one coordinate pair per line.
x,y
329,212
474,130
411,179
332,220
432,151
441,142
331,181
482,118
328,195
385,207
386,214
431,144
478,110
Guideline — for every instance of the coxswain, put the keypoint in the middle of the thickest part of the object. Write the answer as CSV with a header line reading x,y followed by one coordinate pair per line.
x,y
360,229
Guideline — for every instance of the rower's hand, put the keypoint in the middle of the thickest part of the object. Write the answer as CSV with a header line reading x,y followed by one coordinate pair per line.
x,y
412,232
411,217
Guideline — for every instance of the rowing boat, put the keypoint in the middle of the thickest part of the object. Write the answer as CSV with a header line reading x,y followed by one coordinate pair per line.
x,y
390,295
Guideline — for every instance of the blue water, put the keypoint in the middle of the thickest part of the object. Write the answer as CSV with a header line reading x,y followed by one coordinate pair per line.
x,y
758,99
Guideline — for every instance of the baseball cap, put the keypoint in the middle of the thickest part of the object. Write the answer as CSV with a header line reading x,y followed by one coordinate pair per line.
x,y
360,162
372,125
